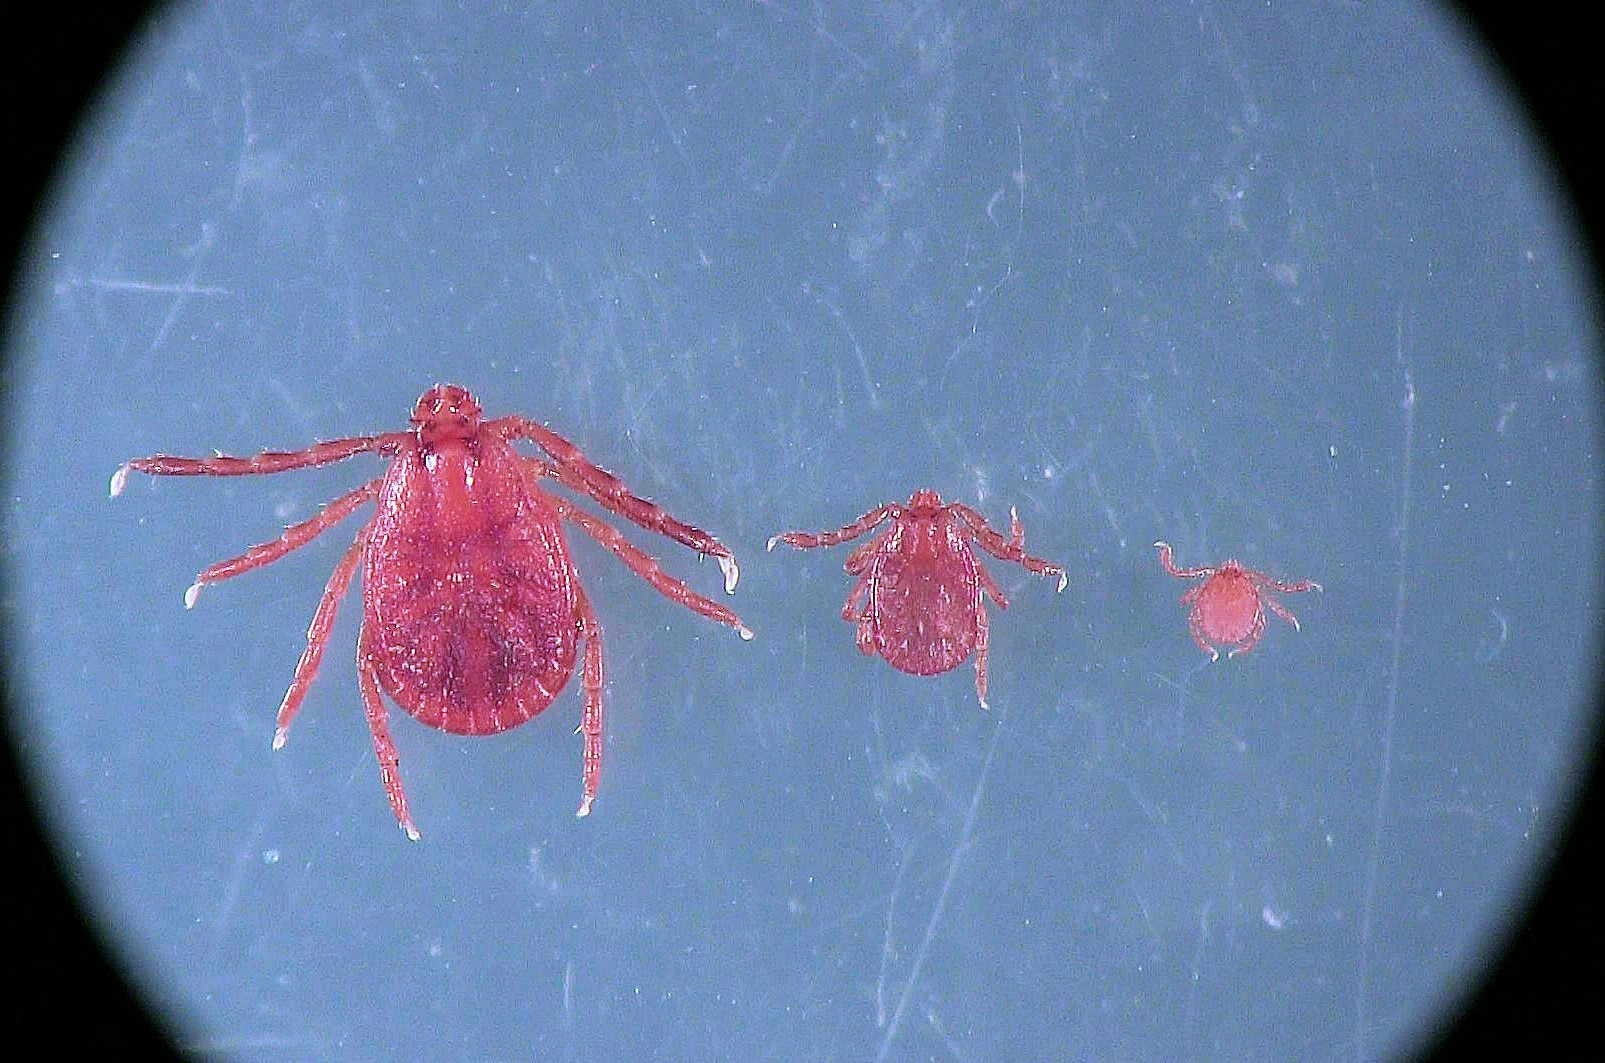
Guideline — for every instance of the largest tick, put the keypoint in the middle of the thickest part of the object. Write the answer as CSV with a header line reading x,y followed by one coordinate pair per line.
x,y
472,611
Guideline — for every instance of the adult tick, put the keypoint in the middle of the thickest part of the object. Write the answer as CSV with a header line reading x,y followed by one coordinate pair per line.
x,y
472,610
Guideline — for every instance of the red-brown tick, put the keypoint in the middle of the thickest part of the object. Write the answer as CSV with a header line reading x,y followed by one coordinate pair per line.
x,y
917,602
1228,607
472,611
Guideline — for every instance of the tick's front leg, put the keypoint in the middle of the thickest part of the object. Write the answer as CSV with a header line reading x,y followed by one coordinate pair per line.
x,y
267,462
809,540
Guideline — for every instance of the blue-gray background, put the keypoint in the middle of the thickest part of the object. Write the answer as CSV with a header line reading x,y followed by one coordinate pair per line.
x,y
1293,286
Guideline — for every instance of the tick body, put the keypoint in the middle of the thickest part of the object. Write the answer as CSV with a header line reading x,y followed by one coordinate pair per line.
x,y
472,610
917,602
1228,608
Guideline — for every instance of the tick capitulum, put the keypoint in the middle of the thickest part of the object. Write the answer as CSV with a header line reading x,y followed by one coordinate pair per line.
x,y
917,602
472,609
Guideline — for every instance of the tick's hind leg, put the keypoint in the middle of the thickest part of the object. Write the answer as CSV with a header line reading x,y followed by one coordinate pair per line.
x,y
383,748
591,722
982,631
647,568
1195,624
294,537
1251,640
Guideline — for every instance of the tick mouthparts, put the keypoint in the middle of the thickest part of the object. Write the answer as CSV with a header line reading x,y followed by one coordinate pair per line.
x,y
727,565
119,480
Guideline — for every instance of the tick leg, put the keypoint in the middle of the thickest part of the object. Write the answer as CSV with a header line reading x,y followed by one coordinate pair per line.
x,y
982,632
990,586
1280,610
591,722
850,609
1195,624
859,560
317,638
294,537
1251,640
855,613
266,462
1286,588
1185,573
647,567
383,748
809,540
1007,549
865,634
575,471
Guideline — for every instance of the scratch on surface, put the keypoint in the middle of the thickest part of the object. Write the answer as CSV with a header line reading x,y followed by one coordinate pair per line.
x,y
871,388
652,94
155,287
886,943
243,863
960,847
1379,813
818,26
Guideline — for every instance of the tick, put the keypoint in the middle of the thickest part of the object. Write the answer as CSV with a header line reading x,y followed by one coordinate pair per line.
x,y
917,602
1228,608
472,610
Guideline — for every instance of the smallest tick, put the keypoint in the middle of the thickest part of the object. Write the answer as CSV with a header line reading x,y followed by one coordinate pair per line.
x,y
1228,608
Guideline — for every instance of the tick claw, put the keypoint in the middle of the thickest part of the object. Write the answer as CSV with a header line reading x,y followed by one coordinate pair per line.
x,y
193,593
585,807
1064,581
119,480
411,831
727,565
280,736
745,632
773,539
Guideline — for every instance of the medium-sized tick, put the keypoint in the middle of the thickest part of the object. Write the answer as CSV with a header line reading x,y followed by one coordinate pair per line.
x,y
472,609
1228,607
917,602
